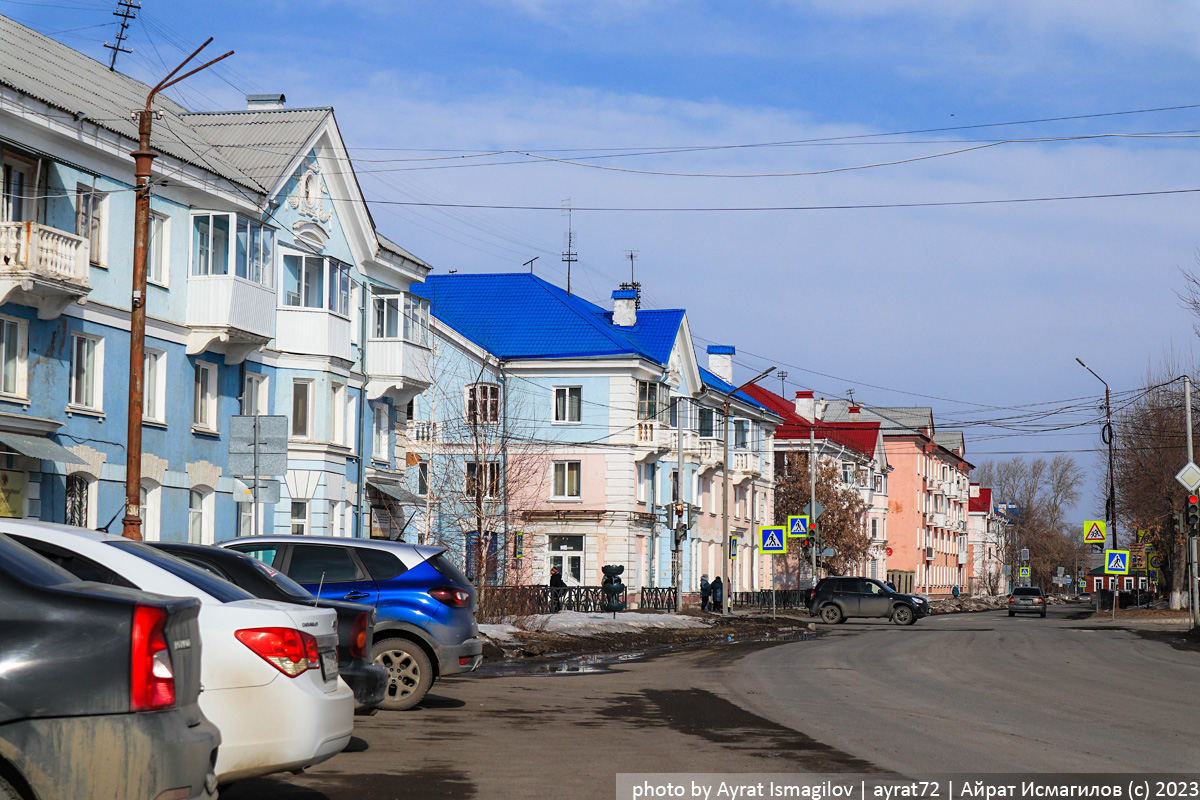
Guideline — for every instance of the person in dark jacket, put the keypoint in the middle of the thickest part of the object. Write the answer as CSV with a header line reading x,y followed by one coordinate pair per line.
x,y
705,594
558,588
718,595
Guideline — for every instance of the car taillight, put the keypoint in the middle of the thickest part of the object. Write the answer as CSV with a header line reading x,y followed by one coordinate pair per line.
x,y
1012,599
151,676
358,635
455,598
288,650
1040,600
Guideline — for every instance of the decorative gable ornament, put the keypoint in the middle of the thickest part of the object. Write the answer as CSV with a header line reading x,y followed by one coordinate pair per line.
x,y
309,201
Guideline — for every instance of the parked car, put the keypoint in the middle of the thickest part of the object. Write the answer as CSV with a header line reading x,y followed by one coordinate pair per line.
x,y
356,622
111,674
835,600
425,607
269,669
1027,600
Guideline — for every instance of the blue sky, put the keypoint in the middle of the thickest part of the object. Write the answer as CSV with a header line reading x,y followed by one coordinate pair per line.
x,y
977,306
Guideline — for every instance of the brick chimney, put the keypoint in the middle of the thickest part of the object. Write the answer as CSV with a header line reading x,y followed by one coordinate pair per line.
x,y
625,307
720,361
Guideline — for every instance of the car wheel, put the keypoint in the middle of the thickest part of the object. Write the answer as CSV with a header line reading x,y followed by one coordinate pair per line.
x,y
1043,615
8,791
410,674
903,615
1012,613
832,614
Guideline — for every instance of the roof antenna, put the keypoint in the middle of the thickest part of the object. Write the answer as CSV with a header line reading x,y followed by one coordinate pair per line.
x,y
529,263
633,285
569,257
126,10
850,394
782,386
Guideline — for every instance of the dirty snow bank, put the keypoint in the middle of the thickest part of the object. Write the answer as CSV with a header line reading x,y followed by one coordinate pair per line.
x,y
579,623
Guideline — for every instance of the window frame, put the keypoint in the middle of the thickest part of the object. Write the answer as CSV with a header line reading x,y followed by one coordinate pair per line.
x,y
422,478
94,219
97,379
337,413
154,387
204,397
158,250
493,487
304,522
306,434
266,245
564,467
25,195
200,515
654,407
566,393
20,357
471,402
380,440
260,402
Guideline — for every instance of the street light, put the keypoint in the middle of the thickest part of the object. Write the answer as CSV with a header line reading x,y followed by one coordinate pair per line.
x,y
1108,435
725,599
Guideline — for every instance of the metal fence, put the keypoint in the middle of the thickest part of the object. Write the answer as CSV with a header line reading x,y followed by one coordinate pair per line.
x,y
498,602
784,598
658,599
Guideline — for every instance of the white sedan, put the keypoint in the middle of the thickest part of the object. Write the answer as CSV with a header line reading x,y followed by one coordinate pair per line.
x,y
268,669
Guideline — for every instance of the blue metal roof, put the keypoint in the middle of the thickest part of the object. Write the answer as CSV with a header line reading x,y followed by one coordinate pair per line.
x,y
519,315
721,386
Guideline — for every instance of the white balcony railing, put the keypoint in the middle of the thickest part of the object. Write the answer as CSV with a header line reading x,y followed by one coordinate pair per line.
x,y
690,440
313,331
422,431
42,267
647,432
397,368
747,462
939,520
235,304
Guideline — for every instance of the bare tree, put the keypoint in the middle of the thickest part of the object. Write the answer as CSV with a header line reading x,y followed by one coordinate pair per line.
x,y
843,522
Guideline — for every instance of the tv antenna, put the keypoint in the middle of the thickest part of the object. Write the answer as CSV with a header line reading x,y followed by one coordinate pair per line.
x,y
529,263
126,10
850,394
632,256
782,386
570,256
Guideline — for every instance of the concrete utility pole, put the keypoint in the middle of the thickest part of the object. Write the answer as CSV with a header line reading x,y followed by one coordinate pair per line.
x,y
680,518
725,546
1108,435
812,490
131,525
1193,599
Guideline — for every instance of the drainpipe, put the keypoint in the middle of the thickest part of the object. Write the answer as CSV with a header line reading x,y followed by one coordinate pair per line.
x,y
362,411
504,467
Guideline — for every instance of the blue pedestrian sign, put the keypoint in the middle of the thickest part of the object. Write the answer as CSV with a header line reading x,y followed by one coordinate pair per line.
x,y
1023,572
798,526
772,540
1116,562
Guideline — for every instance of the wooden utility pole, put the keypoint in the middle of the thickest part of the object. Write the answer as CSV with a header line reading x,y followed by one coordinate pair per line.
x,y
131,525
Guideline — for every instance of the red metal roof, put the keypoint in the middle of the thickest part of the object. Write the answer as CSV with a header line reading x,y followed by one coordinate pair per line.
x,y
861,437
983,503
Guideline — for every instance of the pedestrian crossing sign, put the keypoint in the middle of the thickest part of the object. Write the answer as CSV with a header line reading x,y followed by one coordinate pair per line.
x,y
732,548
1023,572
772,540
1116,562
1095,530
798,526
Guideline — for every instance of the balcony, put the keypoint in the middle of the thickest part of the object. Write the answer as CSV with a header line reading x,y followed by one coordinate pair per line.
x,y
939,520
962,557
651,433
313,331
229,315
421,431
749,463
42,267
691,441
396,369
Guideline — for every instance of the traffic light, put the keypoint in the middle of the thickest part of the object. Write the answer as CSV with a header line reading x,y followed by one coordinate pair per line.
x,y
1193,513
613,588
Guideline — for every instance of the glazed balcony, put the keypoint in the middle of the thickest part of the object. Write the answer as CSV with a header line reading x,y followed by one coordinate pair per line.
x,y
42,267
230,315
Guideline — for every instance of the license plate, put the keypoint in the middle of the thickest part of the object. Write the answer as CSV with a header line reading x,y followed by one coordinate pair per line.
x,y
1026,602
329,667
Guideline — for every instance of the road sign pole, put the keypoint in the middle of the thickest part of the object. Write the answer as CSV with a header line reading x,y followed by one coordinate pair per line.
x,y
812,489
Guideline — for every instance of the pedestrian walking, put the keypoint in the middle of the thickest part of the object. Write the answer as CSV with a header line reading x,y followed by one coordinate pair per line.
x,y
705,594
718,595
558,587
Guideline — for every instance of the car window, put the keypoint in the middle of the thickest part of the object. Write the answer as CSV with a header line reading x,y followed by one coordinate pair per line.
x,y
870,587
284,583
263,552
206,582
847,585
315,563
447,568
381,564
30,568
82,567
199,564
1027,591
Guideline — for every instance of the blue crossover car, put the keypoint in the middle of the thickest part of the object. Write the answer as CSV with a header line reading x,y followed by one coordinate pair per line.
x,y
424,605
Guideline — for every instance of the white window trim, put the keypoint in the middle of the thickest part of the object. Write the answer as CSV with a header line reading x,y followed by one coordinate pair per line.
x,y
152,521
307,434
380,440
21,393
208,501
306,521
209,397
165,281
566,498
641,482
337,413
554,411
98,380
157,416
261,387
97,259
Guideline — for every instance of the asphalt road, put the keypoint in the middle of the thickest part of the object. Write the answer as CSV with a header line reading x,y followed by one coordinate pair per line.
x,y
985,693
961,693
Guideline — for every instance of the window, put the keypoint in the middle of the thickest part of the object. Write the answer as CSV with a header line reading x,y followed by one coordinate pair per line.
x,y
339,288
568,404
245,519
210,244
254,252
338,414
483,403
706,423
149,511
416,320
18,190
254,394
566,478
380,433
301,408
387,316
299,518
87,372
740,431
874,529
198,517
422,478
652,400
303,281
847,472
317,564
89,221
78,499
154,386
641,482
14,345
491,485
204,403
160,248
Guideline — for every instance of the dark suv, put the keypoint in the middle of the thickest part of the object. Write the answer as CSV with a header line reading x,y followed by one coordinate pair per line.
x,y
1027,600
837,599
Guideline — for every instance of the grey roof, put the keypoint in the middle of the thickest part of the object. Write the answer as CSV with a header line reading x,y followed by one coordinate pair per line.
x,y
392,247
259,143
951,440
890,419
40,67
